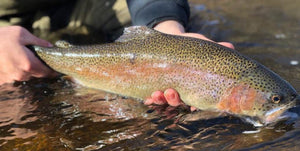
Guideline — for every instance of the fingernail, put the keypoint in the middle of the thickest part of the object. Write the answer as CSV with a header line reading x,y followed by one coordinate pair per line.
x,y
193,108
173,96
170,96
148,101
49,44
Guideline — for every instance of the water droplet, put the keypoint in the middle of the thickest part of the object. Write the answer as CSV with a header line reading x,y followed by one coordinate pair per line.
x,y
294,62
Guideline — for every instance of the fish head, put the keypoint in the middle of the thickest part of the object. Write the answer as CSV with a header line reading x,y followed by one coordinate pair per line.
x,y
269,108
261,97
276,107
274,96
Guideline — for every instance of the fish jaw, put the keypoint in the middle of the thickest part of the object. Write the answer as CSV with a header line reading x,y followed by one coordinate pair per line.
x,y
280,113
274,115
271,117
246,102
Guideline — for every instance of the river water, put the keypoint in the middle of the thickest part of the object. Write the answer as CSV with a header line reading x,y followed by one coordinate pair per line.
x,y
55,114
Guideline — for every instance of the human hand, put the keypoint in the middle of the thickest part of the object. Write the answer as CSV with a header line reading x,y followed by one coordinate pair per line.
x,y
175,28
17,62
171,96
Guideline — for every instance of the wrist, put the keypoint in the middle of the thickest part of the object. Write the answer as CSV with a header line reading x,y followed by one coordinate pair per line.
x,y
170,27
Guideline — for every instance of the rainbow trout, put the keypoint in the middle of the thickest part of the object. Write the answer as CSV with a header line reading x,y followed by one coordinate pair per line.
x,y
207,76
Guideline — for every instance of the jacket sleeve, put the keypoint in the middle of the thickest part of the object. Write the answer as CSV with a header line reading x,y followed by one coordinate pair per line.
x,y
151,12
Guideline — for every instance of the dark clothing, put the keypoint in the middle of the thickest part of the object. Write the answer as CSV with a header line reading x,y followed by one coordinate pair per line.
x,y
151,12
143,12
100,18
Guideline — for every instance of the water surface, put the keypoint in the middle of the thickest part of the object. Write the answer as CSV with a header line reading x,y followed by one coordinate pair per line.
x,y
45,114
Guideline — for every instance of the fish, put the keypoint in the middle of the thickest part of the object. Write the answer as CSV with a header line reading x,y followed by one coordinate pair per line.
x,y
206,75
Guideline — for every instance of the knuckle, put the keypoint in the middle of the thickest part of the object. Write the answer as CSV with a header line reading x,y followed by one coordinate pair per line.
x,y
27,66
17,29
21,76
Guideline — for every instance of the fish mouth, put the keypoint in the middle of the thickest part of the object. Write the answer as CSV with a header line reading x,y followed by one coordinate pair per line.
x,y
280,113
275,115
270,117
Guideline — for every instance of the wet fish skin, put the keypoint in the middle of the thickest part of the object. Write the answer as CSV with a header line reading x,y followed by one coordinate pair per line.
x,y
206,75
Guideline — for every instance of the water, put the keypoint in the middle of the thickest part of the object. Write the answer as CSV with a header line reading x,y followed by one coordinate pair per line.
x,y
45,114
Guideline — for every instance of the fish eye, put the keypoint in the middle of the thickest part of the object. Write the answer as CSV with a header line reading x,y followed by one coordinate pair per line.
x,y
276,99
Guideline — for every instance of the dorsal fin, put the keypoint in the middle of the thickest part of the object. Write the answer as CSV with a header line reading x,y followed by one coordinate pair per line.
x,y
136,32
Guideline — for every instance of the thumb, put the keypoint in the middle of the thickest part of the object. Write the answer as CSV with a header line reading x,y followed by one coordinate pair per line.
x,y
37,68
26,38
196,35
227,44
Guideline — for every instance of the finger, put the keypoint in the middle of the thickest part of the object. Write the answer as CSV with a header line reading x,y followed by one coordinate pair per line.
x,y
148,101
158,98
1,82
195,35
193,108
26,38
5,79
200,36
227,44
172,97
21,76
37,68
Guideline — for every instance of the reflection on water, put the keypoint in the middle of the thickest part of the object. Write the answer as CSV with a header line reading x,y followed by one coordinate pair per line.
x,y
55,115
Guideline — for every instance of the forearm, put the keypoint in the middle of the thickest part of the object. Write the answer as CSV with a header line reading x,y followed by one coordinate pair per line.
x,y
152,12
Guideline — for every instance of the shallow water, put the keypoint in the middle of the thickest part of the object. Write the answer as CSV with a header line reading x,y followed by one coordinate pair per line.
x,y
56,115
